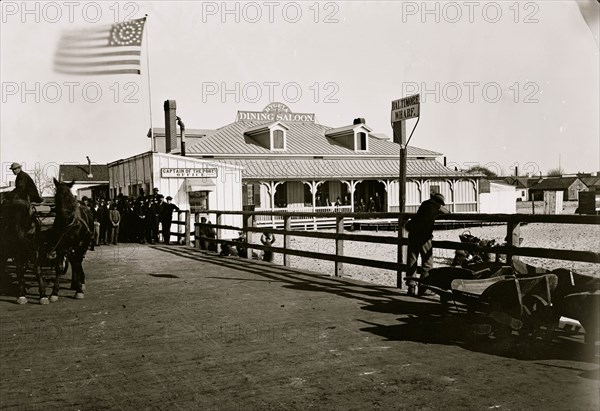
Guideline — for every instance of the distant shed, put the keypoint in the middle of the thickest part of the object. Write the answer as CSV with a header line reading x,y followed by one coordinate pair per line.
x,y
497,197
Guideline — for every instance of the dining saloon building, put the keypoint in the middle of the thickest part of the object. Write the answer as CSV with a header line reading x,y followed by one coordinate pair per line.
x,y
288,161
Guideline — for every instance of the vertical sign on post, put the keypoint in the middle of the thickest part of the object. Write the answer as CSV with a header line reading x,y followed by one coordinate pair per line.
x,y
402,110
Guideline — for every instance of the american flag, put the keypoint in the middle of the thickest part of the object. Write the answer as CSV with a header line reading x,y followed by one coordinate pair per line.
x,y
110,49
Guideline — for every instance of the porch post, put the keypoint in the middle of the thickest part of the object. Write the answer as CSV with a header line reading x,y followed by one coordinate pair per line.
x,y
352,186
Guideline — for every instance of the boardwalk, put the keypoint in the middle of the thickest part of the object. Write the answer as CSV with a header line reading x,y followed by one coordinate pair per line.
x,y
173,328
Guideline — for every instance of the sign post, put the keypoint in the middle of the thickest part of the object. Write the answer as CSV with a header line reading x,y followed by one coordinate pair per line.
x,y
402,110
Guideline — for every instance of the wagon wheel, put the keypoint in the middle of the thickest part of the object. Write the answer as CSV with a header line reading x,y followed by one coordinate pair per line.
x,y
538,317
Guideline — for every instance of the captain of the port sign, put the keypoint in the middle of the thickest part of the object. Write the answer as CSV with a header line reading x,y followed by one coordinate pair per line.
x,y
406,108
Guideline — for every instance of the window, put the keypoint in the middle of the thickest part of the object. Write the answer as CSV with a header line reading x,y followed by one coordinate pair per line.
x,y
323,195
278,140
361,141
251,194
198,201
307,196
281,195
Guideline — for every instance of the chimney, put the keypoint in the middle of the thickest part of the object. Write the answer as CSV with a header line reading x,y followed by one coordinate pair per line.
x,y
444,161
359,120
516,171
170,125
90,175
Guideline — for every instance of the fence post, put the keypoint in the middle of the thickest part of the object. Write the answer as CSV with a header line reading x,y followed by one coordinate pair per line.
x,y
187,228
196,231
249,222
179,227
286,239
219,229
513,238
401,252
339,246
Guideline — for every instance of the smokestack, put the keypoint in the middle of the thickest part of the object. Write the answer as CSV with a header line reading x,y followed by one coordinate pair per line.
x,y
444,161
90,175
170,125
516,171
182,127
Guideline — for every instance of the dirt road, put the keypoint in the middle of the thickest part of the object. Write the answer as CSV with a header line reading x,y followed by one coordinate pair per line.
x,y
170,328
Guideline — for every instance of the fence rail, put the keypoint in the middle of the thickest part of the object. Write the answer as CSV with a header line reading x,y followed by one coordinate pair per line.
x,y
513,221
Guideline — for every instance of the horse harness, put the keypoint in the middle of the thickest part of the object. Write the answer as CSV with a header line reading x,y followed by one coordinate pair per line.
x,y
69,227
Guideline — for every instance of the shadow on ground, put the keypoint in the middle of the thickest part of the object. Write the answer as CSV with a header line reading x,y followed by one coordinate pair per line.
x,y
420,319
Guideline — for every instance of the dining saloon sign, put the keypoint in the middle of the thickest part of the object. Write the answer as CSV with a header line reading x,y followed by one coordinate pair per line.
x,y
209,172
276,112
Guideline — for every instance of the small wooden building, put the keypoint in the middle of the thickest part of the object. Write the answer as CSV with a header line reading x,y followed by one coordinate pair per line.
x,y
91,180
195,184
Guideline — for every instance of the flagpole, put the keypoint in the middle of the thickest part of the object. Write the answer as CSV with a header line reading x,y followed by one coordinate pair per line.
x,y
152,147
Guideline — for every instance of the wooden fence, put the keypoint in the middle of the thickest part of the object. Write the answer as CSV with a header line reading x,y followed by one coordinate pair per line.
x,y
512,221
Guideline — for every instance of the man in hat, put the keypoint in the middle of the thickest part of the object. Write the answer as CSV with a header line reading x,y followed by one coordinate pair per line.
x,y
25,188
420,235
156,194
166,218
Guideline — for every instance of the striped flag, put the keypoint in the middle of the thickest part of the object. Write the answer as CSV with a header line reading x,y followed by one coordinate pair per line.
x,y
111,49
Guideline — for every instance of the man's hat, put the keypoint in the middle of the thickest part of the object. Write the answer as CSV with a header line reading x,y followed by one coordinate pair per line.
x,y
169,198
155,189
439,198
14,166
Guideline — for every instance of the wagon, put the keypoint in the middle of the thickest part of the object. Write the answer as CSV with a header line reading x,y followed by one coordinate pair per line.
x,y
503,304
528,299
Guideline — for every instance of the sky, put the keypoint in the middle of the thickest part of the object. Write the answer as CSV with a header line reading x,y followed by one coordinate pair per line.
x,y
502,83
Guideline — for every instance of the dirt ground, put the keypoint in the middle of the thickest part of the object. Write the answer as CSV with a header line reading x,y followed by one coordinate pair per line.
x,y
170,328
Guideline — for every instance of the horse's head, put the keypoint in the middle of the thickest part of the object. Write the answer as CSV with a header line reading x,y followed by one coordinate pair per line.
x,y
64,199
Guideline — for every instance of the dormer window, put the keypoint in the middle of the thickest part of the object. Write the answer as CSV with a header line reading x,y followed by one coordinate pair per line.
x,y
354,137
278,140
272,136
361,141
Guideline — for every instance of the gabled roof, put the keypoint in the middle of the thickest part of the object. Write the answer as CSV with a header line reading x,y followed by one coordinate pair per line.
x,y
347,129
302,139
79,172
554,183
521,182
328,169
262,127
591,181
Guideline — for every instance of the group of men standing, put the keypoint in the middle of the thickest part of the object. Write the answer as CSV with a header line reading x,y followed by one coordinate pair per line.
x,y
133,219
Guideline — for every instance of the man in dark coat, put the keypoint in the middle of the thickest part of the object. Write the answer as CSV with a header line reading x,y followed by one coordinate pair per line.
x,y
166,218
25,188
420,235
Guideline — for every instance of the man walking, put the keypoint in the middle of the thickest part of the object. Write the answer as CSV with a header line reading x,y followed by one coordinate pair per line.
x,y
420,235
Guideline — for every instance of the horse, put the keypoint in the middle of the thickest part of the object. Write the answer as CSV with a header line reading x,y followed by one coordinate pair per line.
x,y
20,239
73,231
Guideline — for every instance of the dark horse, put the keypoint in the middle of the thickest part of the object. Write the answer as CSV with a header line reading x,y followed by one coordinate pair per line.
x,y
20,240
73,231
